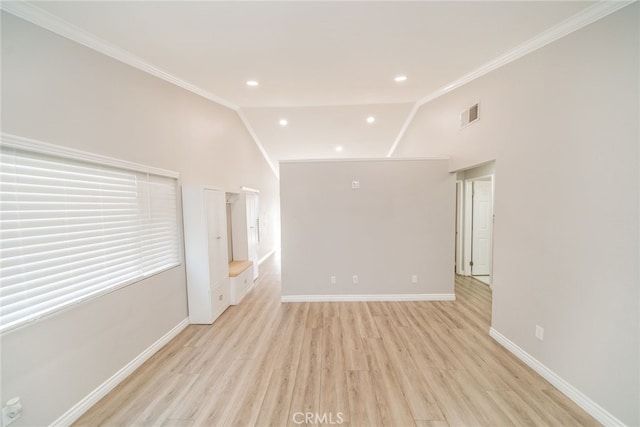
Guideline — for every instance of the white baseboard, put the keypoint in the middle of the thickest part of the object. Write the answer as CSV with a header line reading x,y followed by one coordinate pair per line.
x,y
92,398
595,410
357,298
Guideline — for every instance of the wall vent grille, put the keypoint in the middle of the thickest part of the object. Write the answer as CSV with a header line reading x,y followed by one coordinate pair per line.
x,y
470,115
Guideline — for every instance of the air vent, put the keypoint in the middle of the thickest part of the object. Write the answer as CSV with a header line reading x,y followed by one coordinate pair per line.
x,y
470,115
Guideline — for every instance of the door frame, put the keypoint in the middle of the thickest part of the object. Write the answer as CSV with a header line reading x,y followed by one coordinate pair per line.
x,y
467,225
459,244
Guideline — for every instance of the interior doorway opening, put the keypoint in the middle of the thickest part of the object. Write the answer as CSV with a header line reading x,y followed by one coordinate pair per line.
x,y
243,227
474,222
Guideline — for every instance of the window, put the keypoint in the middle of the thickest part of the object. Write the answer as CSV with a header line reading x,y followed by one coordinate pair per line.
x,y
75,226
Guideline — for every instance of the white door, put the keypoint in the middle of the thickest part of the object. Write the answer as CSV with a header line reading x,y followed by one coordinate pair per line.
x,y
215,202
253,231
481,228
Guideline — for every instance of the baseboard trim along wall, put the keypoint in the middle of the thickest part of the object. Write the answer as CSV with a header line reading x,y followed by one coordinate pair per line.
x,y
595,410
92,398
363,298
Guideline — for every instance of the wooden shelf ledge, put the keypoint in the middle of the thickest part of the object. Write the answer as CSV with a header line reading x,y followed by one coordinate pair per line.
x,y
237,267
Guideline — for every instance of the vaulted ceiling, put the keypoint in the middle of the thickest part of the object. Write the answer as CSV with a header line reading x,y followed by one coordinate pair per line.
x,y
323,66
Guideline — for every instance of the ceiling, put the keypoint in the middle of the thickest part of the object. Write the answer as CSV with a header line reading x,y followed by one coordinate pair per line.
x,y
325,67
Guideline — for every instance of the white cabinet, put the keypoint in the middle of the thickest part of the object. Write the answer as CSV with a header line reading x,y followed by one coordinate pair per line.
x,y
240,280
253,231
245,223
205,238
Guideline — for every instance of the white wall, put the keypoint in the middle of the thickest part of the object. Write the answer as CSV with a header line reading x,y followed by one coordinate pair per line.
x,y
399,223
57,91
562,125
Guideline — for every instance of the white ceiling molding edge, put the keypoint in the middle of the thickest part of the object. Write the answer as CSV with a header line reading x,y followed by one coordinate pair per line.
x,y
365,159
583,18
404,128
247,125
46,20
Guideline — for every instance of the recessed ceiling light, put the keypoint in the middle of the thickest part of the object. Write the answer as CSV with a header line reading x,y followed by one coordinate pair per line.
x,y
339,148
283,122
371,119
252,83
400,78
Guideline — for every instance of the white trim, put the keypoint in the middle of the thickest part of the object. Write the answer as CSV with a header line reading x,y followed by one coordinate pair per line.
x,y
595,410
253,134
581,19
467,226
481,178
19,142
92,398
459,227
23,323
249,189
364,159
361,298
53,23
404,128
59,26
264,258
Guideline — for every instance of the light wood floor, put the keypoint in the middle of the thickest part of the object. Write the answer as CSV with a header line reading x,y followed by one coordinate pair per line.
x,y
365,364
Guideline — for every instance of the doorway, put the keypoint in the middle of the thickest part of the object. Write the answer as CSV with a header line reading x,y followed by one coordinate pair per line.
x,y
243,219
474,222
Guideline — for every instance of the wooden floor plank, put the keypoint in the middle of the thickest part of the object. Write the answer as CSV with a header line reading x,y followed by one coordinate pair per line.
x,y
352,347
362,400
392,402
333,395
429,364
274,410
306,390
419,398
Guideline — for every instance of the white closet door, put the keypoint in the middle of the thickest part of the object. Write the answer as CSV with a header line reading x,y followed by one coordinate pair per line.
x,y
481,232
215,202
253,230
205,238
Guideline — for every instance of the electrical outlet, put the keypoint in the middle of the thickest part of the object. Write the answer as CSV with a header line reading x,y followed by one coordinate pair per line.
x,y
355,278
355,185
540,332
414,278
12,411
333,280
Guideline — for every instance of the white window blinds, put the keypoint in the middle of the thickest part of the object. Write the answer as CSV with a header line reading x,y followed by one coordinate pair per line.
x,y
73,229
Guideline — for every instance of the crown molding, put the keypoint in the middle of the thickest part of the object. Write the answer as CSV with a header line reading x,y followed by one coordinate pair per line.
x,y
253,134
362,159
404,128
46,20
581,19
63,28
